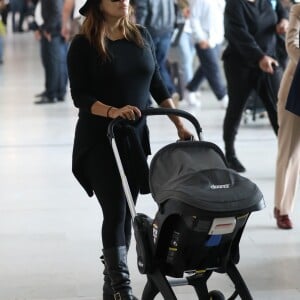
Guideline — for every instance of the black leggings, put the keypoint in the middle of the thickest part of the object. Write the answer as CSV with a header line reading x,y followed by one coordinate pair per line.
x,y
101,170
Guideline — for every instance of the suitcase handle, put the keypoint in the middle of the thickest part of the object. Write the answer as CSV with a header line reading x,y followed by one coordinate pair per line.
x,y
156,112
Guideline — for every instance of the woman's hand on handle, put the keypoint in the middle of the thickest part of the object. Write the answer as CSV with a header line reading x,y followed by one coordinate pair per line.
x,y
184,134
128,112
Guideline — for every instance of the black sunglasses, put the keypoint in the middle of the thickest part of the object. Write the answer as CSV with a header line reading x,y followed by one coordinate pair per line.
x,y
114,0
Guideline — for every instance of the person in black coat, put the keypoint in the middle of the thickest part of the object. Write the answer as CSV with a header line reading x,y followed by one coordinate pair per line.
x,y
112,71
250,62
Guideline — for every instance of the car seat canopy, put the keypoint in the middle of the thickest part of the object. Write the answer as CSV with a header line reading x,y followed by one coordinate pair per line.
x,y
196,173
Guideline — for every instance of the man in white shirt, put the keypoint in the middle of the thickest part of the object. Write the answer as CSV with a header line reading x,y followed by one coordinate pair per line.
x,y
206,19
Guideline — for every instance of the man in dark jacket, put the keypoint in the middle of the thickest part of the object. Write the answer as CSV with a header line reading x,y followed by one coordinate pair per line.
x,y
158,16
53,52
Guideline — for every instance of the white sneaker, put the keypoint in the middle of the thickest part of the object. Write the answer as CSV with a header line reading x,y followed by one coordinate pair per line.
x,y
191,99
224,102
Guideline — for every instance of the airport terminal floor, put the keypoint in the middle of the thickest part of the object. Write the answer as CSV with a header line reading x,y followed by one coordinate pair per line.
x,y
50,240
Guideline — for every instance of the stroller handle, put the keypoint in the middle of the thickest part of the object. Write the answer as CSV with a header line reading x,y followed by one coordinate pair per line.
x,y
112,139
157,112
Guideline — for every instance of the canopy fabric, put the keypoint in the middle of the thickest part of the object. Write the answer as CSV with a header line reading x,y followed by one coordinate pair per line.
x,y
196,174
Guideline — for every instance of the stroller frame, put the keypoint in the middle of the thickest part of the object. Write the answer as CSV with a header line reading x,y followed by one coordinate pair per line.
x,y
156,277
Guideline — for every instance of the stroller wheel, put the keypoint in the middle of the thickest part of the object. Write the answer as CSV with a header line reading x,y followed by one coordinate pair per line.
x,y
216,295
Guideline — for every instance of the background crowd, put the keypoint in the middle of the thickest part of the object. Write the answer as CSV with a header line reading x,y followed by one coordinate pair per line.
x,y
228,44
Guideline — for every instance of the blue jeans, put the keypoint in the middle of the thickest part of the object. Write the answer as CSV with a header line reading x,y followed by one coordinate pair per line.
x,y
210,69
162,46
53,55
187,51
63,81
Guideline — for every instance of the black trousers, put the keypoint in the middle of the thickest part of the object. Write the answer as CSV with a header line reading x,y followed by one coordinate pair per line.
x,y
241,80
101,170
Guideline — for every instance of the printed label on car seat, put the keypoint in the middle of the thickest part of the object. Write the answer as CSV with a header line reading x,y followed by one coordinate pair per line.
x,y
222,226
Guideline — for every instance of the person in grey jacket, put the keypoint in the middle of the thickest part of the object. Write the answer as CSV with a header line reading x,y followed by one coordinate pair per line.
x,y
158,16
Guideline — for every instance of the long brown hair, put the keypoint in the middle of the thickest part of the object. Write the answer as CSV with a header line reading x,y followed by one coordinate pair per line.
x,y
93,28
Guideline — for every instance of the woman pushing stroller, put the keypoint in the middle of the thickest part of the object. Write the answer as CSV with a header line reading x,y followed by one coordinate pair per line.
x,y
112,70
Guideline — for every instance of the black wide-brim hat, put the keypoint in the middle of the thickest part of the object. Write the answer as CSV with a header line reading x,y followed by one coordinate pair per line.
x,y
84,9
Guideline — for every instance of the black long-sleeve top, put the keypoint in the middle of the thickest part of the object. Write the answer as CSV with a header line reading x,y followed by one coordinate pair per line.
x,y
250,29
127,78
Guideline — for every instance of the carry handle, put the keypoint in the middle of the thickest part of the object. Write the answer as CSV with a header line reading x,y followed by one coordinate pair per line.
x,y
157,112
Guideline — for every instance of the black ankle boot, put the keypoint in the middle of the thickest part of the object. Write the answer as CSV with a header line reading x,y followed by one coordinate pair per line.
x,y
116,266
235,164
108,293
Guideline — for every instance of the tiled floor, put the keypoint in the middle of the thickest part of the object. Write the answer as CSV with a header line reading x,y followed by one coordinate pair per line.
x,y
50,230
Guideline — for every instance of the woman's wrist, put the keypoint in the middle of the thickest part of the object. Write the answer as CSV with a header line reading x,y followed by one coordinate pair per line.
x,y
108,111
179,125
100,109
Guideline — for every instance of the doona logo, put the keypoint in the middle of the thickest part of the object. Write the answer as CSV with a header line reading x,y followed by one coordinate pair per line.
x,y
220,186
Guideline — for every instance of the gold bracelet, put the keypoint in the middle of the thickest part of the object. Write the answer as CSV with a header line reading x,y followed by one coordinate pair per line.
x,y
107,112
